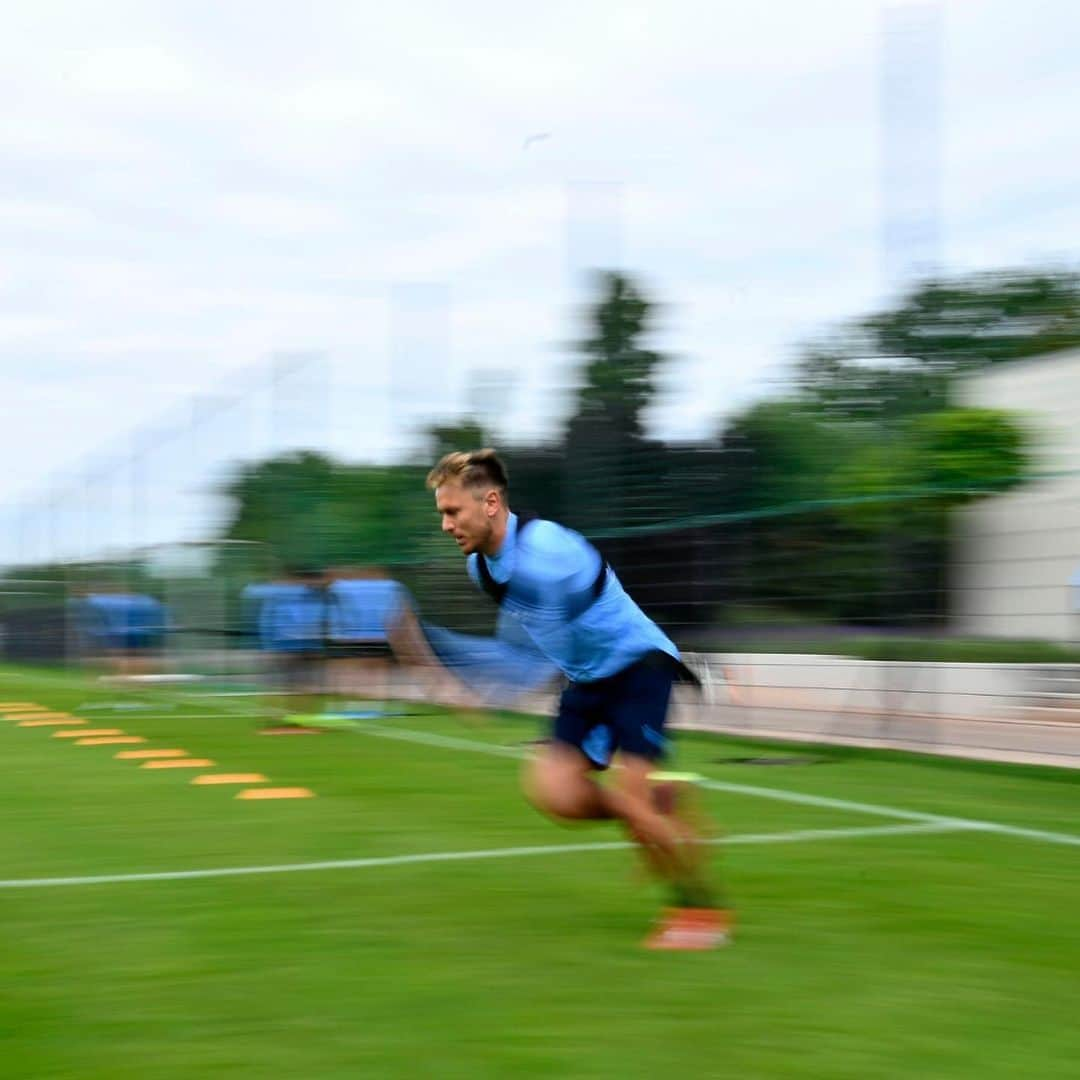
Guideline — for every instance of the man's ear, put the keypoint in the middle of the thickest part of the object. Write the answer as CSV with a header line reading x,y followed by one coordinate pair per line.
x,y
491,503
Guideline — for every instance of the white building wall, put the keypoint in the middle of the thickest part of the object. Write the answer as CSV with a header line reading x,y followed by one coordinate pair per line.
x,y
1014,554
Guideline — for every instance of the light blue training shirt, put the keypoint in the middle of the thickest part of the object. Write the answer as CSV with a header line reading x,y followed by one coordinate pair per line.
x,y
363,609
550,572
291,618
112,617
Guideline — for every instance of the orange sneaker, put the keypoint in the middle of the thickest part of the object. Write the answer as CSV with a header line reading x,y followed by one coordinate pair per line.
x,y
691,929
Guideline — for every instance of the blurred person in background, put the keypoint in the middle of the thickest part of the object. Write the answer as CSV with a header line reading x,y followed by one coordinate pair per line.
x,y
125,631
251,602
251,631
364,608
91,626
620,669
291,631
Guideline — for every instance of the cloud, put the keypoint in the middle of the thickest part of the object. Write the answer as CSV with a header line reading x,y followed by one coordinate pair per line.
x,y
188,188
125,74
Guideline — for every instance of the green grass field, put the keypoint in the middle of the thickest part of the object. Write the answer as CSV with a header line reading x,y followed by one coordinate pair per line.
x,y
928,950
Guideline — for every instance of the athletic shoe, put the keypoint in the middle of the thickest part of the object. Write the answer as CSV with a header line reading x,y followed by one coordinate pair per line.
x,y
691,929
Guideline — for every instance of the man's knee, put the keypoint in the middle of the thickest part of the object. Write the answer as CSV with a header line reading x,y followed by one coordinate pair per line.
x,y
557,784
633,777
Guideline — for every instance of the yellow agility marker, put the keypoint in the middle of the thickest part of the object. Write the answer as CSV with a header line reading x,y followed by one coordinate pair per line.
x,y
19,706
88,733
111,740
179,763
662,777
149,755
230,778
276,793
70,722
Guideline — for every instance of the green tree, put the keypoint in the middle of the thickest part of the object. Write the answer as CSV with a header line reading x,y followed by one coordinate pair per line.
x,y
862,505
619,374
783,452
615,474
902,361
898,496
312,511
969,453
466,434
932,463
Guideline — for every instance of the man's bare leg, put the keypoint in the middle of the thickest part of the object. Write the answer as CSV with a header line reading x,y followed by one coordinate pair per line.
x,y
669,841
559,782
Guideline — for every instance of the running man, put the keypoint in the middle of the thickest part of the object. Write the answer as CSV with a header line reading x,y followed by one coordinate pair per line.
x,y
620,668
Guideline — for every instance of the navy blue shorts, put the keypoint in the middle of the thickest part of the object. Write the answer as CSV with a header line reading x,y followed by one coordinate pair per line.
x,y
625,712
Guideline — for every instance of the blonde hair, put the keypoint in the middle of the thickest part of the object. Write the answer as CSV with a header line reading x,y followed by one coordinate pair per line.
x,y
470,468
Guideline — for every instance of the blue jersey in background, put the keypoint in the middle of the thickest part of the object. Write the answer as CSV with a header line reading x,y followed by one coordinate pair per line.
x,y
291,618
364,609
123,621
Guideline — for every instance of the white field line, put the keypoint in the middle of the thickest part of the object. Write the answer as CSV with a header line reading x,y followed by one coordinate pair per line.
x,y
797,837
73,682
445,742
776,794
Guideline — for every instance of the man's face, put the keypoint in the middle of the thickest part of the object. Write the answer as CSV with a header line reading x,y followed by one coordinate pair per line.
x,y
467,515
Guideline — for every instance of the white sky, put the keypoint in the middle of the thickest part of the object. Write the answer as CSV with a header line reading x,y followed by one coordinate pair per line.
x,y
187,188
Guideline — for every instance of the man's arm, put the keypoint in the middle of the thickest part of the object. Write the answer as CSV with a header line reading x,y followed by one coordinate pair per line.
x,y
410,645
